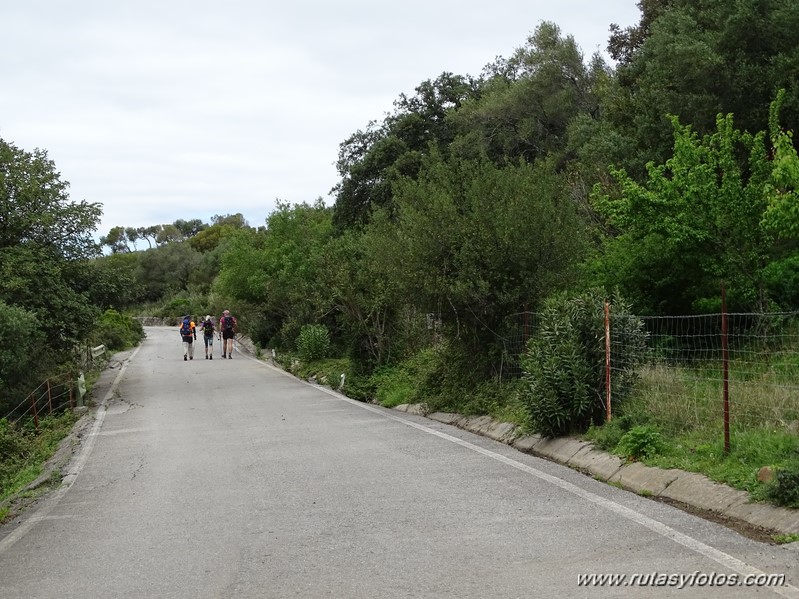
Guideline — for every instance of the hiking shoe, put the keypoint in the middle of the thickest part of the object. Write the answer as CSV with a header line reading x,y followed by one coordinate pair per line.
x,y
191,357
230,357
224,356
185,359
211,357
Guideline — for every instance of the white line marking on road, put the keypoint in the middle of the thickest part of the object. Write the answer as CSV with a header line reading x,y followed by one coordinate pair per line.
x,y
75,467
122,431
721,558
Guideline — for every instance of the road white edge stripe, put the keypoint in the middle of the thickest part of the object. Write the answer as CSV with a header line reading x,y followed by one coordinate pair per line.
x,y
75,466
721,558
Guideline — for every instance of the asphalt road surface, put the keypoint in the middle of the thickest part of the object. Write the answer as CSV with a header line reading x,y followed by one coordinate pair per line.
x,y
230,478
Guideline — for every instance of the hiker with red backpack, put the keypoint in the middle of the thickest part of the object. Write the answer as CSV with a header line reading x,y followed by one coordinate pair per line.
x,y
227,331
188,333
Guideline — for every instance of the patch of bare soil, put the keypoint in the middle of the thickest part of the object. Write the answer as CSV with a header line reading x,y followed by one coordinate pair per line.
x,y
756,533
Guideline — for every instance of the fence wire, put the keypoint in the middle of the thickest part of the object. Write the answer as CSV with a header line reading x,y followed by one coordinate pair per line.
x,y
681,377
52,396
685,368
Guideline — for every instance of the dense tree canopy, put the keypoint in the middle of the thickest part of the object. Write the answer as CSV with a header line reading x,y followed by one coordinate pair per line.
x,y
36,209
699,218
696,60
371,160
44,237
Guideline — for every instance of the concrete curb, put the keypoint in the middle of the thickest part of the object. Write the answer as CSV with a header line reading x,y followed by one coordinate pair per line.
x,y
695,491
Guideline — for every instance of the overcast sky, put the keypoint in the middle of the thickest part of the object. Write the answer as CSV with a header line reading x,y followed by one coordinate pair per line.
x,y
165,109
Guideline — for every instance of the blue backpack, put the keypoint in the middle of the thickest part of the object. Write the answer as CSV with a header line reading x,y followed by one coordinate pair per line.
x,y
185,328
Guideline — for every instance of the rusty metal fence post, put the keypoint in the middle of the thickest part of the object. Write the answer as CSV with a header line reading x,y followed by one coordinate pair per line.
x,y
609,414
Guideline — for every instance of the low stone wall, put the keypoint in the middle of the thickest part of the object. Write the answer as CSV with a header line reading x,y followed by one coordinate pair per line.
x,y
152,321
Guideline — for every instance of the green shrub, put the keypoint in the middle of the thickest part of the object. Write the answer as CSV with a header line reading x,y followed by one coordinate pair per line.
x,y
117,331
184,303
313,342
357,386
15,446
176,307
608,435
393,386
641,441
564,364
445,375
784,489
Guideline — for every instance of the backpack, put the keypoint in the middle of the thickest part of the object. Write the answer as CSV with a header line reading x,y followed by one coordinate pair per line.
x,y
185,328
208,328
227,325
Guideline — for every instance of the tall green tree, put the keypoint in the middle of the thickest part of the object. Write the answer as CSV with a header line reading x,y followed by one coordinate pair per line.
x,y
37,210
117,239
359,268
524,109
624,43
110,282
694,223
475,242
697,59
275,273
21,357
166,269
45,240
371,160
782,212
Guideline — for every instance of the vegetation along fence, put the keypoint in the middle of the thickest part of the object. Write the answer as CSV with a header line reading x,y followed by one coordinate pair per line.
x,y
715,371
57,393
54,395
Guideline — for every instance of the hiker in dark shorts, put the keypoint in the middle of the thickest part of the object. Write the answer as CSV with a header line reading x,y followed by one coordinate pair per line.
x,y
227,327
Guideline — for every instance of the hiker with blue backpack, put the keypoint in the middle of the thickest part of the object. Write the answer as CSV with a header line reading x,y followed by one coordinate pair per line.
x,y
188,333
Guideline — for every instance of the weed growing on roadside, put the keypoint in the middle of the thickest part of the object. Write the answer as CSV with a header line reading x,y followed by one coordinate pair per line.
x,y
642,441
29,450
784,489
785,539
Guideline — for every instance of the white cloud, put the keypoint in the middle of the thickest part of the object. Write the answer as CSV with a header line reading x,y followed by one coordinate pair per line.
x,y
174,109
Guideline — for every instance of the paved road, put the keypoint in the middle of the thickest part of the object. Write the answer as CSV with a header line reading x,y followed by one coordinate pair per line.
x,y
217,479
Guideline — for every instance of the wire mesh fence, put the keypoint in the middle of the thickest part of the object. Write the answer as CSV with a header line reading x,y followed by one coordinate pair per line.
x,y
54,395
517,331
697,370
701,366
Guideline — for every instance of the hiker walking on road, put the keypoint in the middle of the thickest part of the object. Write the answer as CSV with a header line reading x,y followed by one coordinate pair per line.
x,y
227,328
207,328
188,332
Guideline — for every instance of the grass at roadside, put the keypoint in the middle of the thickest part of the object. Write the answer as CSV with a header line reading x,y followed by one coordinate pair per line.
x,y
682,410
25,452
674,416
404,384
